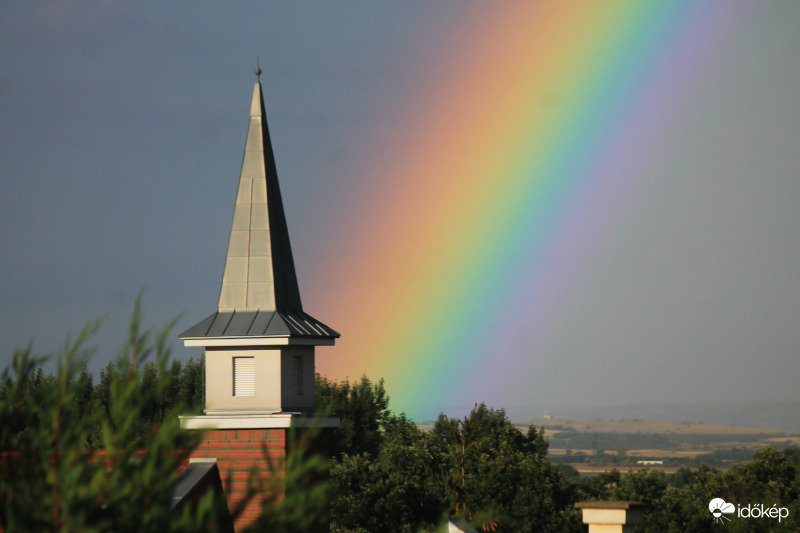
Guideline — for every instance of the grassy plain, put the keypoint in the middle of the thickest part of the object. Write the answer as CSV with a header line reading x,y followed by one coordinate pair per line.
x,y
599,445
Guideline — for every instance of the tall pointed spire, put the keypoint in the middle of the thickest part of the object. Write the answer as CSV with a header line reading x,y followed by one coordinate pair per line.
x,y
259,295
259,268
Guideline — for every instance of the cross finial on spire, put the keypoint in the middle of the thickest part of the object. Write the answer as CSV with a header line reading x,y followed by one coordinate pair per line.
x,y
258,71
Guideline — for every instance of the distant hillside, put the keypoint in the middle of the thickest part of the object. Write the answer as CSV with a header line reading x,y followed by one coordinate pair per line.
x,y
595,445
639,426
766,415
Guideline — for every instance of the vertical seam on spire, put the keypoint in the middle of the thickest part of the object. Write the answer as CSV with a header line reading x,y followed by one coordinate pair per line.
x,y
249,244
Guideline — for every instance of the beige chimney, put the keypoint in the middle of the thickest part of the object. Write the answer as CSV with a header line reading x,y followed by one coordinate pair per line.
x,y
612,517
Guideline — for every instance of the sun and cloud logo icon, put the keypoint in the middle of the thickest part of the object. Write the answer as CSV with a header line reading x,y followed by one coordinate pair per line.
x,y
719,508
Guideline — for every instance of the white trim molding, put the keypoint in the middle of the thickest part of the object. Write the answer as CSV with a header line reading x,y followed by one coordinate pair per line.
x,y
258,341
256,421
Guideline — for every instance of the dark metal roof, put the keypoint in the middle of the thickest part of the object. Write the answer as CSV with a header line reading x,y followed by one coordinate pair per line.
x,y
261,323
195,481
192,476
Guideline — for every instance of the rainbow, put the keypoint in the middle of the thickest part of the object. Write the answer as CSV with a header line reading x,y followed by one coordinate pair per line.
x,y
500,188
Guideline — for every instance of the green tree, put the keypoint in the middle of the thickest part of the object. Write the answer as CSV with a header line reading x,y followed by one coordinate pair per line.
x,y
499,479
75,456
769,479
393,491
363,411
51,480
645,486
680,503
480,468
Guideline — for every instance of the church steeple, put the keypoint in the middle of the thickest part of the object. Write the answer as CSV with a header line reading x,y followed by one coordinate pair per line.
x,y
259,344
259,296
259,269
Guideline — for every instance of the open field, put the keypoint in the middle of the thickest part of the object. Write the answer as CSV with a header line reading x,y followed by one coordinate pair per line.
x,y
666,454
588,469
592,446
652,426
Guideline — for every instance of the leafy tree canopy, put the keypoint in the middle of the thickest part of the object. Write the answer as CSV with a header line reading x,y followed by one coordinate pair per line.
x,y
80,456
51,477
363,410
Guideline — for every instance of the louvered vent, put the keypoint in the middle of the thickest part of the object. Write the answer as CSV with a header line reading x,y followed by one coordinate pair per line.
x,y
297,375
244,382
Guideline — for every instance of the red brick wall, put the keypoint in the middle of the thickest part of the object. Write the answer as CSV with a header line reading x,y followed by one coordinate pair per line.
x,y
237,451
